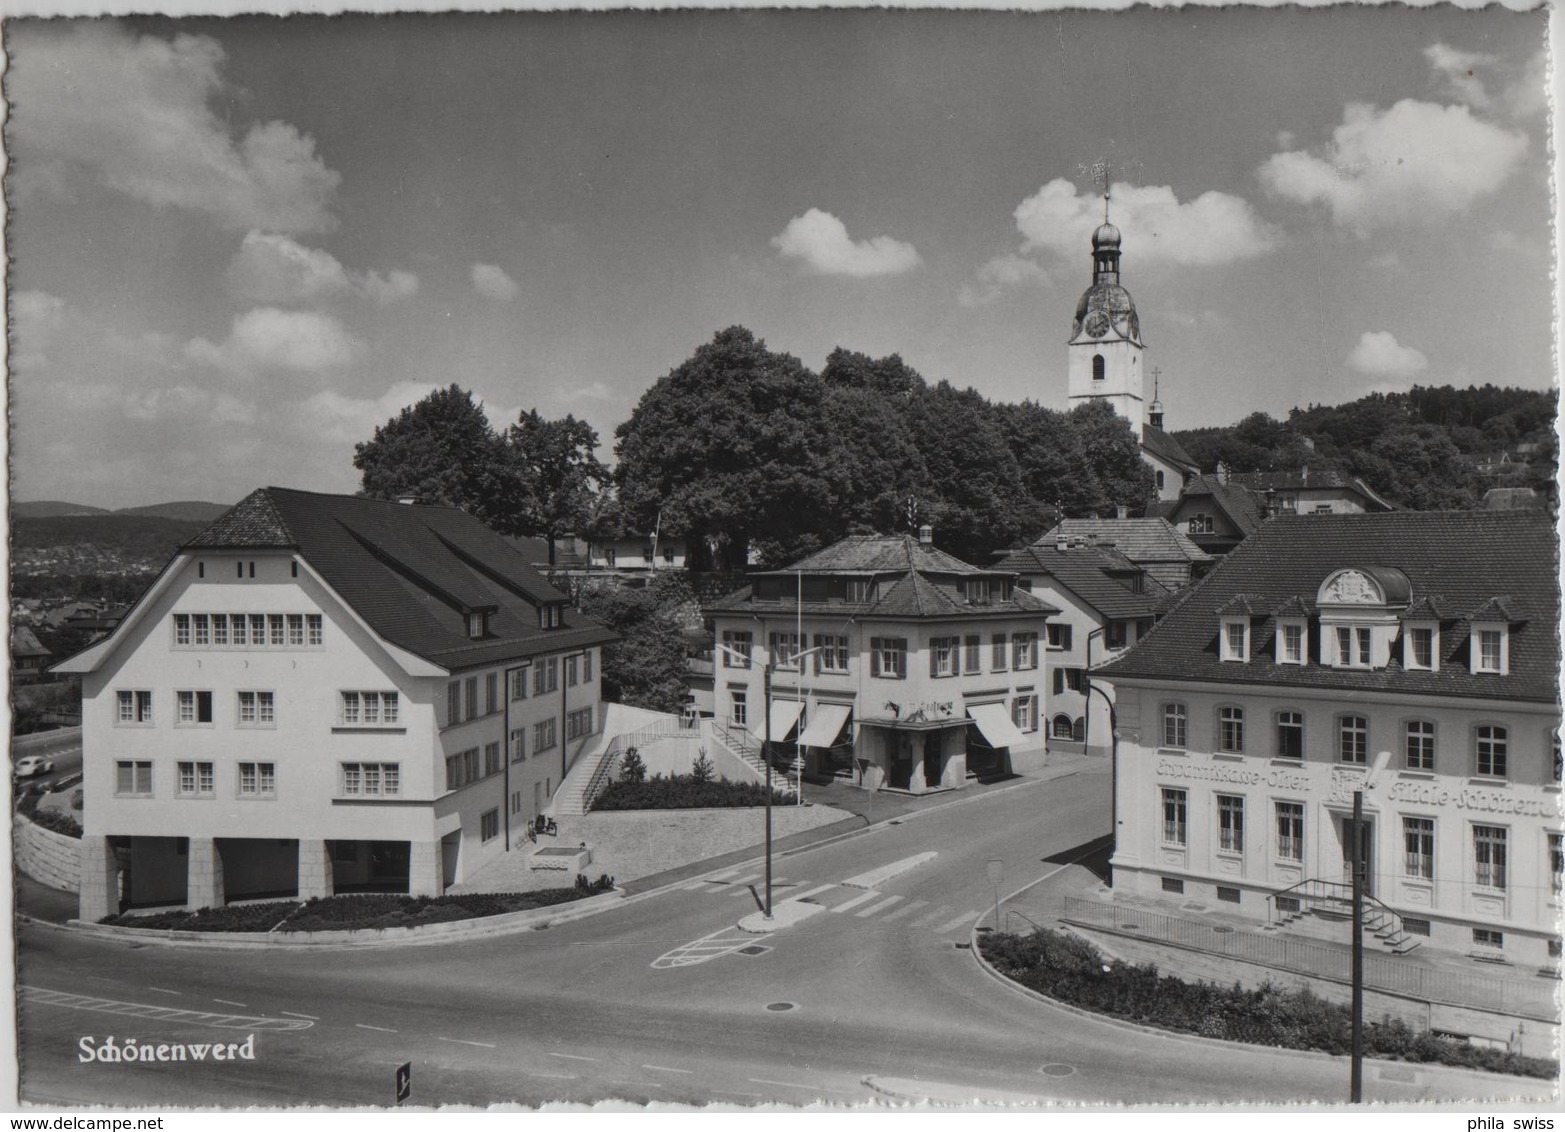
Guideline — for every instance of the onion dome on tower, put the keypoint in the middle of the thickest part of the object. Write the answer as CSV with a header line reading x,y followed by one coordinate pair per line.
x,y
1106,310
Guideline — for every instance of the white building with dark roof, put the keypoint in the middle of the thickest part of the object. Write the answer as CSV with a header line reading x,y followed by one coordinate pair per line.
x,y
893,664
1253,712
326,693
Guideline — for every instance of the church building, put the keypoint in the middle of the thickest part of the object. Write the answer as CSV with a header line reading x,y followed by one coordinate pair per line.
x,y
1108,362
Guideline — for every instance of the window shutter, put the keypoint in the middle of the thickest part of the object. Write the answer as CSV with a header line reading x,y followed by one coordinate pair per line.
x,y
874,656
900,647
935,645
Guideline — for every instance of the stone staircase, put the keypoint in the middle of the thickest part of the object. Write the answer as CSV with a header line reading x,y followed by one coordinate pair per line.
x,y
1332,901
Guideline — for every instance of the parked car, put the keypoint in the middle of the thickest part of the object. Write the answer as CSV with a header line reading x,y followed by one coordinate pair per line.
x,y
29,765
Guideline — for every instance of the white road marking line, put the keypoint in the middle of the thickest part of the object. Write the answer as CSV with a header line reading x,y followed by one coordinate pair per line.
x,y
381,1029
930,917
724,875
882,906
465,1042
162,1013
740,882
965,918
551,1076
810,893
856,901
906,910
793,1085
165,990
292,1014
667,1069
573,1056
229,1002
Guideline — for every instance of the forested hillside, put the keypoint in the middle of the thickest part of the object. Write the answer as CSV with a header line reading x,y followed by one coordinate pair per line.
x,y
1431,448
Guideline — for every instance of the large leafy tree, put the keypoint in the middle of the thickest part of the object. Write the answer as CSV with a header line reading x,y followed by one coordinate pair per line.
x,y
443,450
646,666
557,473
730,446
1113,452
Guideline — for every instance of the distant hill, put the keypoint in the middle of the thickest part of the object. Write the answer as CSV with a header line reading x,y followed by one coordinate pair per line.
x,y
185,510
50,508
97,544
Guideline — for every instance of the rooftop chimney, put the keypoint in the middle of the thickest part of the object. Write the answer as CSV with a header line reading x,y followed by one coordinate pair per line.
x,y
926,534
1062,541
409,500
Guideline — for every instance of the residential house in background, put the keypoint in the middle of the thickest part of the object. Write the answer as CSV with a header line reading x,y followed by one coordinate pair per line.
x,y
29,658
893,663
1107,603
1219,511
636,552
1164,552
1320,647
326,693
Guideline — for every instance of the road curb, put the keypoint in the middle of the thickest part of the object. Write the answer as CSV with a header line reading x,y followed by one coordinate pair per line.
x,y
1148,1028
510,923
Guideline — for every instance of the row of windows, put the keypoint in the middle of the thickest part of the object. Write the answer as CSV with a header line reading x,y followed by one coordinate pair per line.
x,y
546,733
193,708
1490,843
462,696
948,656
1352,646
133,779
1490,741
248,630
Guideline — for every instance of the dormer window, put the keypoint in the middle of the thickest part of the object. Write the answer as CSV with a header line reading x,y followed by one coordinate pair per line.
x,y
1201,524
1421,648
1236,640
477,625
549,617
860,591
978,591
1290,642
1490,649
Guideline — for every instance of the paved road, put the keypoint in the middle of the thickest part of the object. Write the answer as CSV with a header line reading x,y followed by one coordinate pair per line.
x,y
65,751
622,1005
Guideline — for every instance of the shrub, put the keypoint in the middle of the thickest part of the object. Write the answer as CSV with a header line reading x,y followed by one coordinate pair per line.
x,y
59,822
229,918
684,792
702,770
1069,968
632,768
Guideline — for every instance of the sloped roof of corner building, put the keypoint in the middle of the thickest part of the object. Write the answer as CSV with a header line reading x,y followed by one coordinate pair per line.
x,y
916,580
1086,572
1162,445
1460,565
1140,540
413,572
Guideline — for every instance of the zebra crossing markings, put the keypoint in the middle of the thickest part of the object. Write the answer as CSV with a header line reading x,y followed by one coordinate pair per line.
x,y
158,1013
855,902
881,907
812,892
965,918
906,910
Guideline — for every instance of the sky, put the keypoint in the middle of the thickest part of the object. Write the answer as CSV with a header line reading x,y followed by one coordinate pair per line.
x,y
239,245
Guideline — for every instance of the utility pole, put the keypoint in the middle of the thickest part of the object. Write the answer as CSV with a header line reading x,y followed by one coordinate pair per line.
x,y
1356,855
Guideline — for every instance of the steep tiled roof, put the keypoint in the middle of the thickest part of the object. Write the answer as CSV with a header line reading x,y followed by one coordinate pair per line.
x,y
1467,558
411,571
1140,540
879,554
1164,446
24,642
1084,570
1238,503
916,580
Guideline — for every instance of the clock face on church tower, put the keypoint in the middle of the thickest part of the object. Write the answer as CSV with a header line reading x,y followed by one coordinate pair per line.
x,y
1097,324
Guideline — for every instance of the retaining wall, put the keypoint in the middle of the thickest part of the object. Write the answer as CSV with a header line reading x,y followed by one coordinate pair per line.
x,y
49,858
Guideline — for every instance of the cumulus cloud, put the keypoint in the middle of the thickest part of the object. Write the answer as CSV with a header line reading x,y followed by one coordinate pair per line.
x,y
1460,74
37,317
1458,70
272,268
134,112
820,241
1002,271
594,391
1213,228
269,338
493,283
1379,354
1417,162
186,402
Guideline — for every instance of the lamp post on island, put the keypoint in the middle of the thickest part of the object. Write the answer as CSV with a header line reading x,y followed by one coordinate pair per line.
x,y
1356,859
766,742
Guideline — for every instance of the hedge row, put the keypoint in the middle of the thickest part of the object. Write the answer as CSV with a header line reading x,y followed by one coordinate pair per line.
x,y
372,910
1068,968
686,792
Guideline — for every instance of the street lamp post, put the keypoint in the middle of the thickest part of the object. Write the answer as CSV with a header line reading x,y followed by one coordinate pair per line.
x,y
766,746
1356,858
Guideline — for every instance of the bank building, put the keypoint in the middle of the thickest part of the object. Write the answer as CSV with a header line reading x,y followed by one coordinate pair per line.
x,y
1410,656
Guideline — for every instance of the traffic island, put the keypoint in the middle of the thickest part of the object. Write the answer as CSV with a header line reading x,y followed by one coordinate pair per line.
x,y
784,915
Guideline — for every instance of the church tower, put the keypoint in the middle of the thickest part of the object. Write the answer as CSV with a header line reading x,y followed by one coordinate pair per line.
x,y
1105,344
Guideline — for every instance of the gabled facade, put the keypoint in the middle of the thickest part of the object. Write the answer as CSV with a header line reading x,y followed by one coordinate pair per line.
x,y
1106,604
327,693
1321,647
893,664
